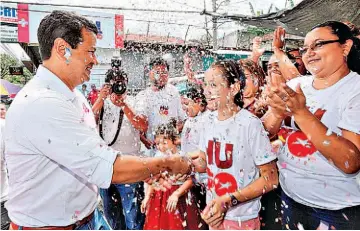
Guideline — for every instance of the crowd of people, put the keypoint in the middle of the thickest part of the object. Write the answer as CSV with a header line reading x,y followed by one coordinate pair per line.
x,y
243,149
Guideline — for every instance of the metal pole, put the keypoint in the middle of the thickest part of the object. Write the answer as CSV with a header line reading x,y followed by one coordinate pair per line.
x,y
186,34
214,19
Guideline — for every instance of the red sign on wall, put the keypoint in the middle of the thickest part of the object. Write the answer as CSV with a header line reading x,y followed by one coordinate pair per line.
x,y
119,31
23,23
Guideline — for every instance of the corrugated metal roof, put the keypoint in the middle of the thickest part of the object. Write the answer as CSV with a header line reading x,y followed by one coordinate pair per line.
x,y
308,13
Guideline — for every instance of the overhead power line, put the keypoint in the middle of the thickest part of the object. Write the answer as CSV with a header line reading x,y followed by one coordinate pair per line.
x,y
126,18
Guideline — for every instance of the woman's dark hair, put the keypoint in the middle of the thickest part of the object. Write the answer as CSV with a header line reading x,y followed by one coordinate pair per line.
x,y
61,24
343,32
168,130
354,29
158,61
256,70
233,72
197,94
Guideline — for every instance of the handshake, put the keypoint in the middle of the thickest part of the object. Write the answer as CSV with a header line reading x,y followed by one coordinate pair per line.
x,y
184,168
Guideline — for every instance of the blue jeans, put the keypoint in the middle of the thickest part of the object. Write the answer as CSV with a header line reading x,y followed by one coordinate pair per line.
x,y
310,218
96,223
122,205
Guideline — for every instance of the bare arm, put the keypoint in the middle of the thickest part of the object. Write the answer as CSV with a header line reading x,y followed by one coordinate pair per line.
x,y
149,191
343,150
213,214
287,68
184,188
99,103
272,122
268,180
199,161
140,122
96,108
129,169
257,51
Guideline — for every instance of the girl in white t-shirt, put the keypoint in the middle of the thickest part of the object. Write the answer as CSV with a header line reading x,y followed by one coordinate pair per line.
x,y
195,107
239,161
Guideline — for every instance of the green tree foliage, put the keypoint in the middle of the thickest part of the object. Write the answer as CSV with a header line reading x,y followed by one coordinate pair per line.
x,y
7,61
258,31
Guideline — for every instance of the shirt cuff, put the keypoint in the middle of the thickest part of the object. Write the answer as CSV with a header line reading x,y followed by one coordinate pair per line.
x,y
103,172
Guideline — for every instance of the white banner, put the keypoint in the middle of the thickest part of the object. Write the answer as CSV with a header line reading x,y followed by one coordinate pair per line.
x,y
104,21
9,22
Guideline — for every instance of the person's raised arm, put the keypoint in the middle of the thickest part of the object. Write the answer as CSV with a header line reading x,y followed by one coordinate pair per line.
x,y
287,68
257,51
99,103
140,122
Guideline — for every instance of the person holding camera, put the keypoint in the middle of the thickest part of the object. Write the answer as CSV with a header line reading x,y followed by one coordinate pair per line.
x,y
119,127
159,103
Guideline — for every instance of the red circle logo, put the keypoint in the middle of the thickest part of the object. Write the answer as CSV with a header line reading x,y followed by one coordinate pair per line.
x,y
299,145
224,183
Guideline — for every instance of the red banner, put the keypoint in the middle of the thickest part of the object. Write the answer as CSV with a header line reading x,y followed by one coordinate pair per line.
x,y
119,31
23,23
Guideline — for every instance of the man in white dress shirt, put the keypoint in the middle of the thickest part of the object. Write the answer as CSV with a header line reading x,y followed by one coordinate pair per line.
x,y
55,158
5,222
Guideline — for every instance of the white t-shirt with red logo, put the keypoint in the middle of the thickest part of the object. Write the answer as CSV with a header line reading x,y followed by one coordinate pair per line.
x,y
234,149
159,106
305,174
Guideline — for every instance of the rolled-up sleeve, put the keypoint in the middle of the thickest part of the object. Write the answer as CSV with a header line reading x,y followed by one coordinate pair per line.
x,y
55,129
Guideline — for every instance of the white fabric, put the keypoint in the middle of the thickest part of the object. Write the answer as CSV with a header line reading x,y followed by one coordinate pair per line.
x,y
305,174
234,166
190,136
128,141
159,106
55,157
4,175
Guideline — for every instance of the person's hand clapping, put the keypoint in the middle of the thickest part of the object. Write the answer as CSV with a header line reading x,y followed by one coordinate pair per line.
x,y
277,104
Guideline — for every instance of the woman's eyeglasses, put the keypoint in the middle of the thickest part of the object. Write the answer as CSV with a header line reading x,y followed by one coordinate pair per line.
x,y
315,46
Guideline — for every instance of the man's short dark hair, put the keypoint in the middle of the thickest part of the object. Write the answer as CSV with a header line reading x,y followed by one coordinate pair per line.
x,y
61,24
158,61
84,85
